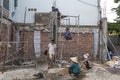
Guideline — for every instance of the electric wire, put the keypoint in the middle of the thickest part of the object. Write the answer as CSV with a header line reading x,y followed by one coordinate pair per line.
x,y
87,3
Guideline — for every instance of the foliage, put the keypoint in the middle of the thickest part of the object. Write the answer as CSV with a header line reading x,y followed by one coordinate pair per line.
x,y
116,1
114,27
117,10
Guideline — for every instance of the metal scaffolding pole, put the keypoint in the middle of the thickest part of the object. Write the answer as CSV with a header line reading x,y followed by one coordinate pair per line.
x,y
1,14
78,35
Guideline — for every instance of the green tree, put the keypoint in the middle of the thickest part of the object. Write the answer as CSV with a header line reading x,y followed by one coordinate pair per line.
x,y
117,10
116,1
114,27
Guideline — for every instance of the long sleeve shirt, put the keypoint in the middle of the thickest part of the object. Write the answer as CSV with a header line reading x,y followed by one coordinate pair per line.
x,y
75,68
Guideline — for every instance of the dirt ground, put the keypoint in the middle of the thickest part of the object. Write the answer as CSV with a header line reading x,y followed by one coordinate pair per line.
x,y
42,72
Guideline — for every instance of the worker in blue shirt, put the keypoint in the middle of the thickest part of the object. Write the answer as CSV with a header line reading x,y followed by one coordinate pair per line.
x,y
67,34
74,68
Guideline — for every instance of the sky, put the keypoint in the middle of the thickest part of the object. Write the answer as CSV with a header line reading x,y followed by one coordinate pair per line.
x,y
107,5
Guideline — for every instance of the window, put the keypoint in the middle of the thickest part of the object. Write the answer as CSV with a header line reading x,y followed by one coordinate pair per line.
x,y
0,12
32,9
28,9
0,2
35,9
6,4
15,3
0,25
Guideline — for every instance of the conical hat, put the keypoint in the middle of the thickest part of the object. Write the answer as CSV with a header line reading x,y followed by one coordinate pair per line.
x,y
74,59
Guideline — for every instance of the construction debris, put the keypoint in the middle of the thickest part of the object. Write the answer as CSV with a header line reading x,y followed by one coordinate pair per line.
x,y
41,72
21,43
114,63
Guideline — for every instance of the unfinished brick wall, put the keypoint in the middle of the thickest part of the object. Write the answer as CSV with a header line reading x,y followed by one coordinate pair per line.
x,y
3,37
27,38
87,43
80,44
45,40
76,47
13,32
4,32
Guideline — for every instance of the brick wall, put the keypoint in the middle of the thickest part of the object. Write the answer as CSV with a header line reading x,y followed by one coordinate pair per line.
x,y
4,31
28,45
3,37
12,32
45,40
80,44
77,46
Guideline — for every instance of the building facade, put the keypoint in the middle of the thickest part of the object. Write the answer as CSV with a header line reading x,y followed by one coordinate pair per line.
x,y
88,10
20,22
89,16
6,14
7,27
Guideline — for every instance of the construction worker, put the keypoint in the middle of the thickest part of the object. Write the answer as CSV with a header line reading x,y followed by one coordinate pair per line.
x,y
74,68
86,62
67,34
51,51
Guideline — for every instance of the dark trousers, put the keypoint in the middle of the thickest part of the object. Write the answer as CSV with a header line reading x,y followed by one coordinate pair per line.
x,y
87,65
71,72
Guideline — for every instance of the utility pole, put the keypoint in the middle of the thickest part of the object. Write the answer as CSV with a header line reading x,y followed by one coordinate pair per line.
x,y
100,30
102,34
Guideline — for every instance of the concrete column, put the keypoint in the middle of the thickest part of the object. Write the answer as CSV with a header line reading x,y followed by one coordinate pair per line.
x,y
104,49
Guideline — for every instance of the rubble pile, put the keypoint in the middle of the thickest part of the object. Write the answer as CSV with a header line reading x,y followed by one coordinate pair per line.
x,y
43,72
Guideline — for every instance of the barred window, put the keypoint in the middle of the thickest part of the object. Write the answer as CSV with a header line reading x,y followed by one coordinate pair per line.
x,y
15,3
32,9
0,12
0,24
6,4
28,9
35,9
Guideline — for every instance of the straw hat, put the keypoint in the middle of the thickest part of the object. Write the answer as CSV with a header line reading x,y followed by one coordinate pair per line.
x,y
115,58
86,55
74,59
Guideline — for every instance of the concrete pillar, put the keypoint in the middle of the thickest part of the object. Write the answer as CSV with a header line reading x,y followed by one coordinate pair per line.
x,y
103,39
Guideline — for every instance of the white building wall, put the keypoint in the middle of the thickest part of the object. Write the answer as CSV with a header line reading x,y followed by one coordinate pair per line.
x,y
11,10
88,14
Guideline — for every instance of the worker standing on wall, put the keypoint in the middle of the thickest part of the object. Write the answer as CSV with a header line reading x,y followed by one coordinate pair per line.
x,y
67,34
